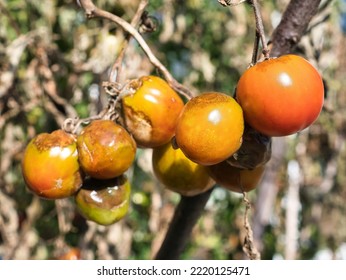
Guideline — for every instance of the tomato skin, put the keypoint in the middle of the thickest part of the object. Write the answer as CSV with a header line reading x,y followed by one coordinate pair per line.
x,y
104,202
50,165
281,96
178,173
230,177
106,150
210,128
151,113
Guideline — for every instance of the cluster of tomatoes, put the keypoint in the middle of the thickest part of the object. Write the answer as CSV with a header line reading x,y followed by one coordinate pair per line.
x,y
212,138
86,166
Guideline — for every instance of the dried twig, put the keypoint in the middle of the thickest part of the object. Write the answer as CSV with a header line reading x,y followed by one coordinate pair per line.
x,y
33,213
92,11
48,82
260,27
14,52
231,2
249,247
115,73
8,225
11,20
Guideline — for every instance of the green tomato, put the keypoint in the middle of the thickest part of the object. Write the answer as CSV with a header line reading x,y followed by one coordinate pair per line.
x,y
104,202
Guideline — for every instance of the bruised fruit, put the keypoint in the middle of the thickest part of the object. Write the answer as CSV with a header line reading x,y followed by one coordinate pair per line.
x,y
236,179
210,128
151,112
178,173
104,201
106,150
50,165
255,150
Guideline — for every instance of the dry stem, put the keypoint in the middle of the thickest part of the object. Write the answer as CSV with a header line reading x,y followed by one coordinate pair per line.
x,y
92,11
115,74
260,27
231,2
249,247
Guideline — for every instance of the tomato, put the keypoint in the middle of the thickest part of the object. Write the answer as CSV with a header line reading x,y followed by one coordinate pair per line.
x,y
236,179
210,128
104,202
70,254
106,150
255,150
281,96
50,165
179,174
151,112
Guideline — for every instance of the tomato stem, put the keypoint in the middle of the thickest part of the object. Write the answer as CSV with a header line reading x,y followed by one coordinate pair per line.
x,y
115,74
260,27
92,11
249,247
255,49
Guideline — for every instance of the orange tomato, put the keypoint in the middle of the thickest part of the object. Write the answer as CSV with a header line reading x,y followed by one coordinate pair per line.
x,y
236,179
70,254
281,96
151,112
106,150
210,128
50,165
179,174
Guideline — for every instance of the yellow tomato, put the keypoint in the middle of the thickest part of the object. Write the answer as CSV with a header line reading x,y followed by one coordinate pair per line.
x,y
178,173
210,128
151,113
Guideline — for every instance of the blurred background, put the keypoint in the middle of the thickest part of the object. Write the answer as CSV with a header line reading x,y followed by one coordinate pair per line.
x,y
52,63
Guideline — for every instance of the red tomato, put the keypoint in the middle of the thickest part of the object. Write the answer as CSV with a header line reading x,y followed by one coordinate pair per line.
x,y
281,96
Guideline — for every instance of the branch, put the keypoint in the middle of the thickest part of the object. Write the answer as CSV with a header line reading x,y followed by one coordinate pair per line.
x,y
185,217
92,11
11,19
294,23
115,74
